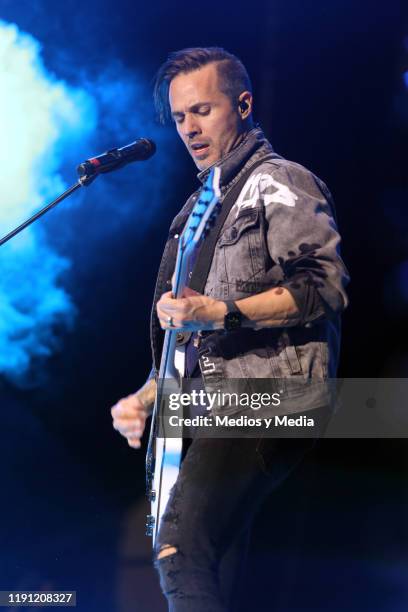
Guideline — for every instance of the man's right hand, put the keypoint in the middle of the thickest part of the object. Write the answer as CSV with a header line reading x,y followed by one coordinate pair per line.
x,y
129,414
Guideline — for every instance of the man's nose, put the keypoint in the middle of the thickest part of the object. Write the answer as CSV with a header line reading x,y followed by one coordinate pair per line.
x,y
191,127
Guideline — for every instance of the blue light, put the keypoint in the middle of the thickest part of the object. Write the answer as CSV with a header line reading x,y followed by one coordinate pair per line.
x,y
36,112
50,126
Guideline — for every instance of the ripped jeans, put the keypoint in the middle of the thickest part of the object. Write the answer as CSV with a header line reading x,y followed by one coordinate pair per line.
x,y
221,484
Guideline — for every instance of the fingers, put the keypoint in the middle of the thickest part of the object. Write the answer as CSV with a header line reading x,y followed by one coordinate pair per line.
x,y
168,319
129,418
189,312
128,407
187,292
172,313
129,427
162,308
167,295
134,443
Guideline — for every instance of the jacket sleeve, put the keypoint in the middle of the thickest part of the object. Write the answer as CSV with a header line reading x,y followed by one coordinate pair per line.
x,y
303,239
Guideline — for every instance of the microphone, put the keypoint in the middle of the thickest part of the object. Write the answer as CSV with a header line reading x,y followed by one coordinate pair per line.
x,y
140,150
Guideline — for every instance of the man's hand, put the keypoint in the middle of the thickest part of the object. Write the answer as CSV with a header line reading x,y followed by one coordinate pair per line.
x,y
191,312
130,413
275,307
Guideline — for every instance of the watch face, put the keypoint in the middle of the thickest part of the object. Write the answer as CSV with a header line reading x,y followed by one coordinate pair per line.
x,y
233,321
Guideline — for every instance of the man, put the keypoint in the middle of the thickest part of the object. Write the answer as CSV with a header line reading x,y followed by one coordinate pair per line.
x,y
276,269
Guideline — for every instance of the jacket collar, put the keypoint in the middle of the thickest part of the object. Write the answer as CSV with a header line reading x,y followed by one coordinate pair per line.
x,y
235,160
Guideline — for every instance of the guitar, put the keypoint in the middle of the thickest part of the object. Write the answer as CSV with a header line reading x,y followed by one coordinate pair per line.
x,y
164,453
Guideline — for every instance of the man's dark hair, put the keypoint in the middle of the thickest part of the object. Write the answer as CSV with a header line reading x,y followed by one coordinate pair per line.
x,y
232,74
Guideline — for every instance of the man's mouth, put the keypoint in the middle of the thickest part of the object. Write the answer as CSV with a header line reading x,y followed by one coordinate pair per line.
x,y
199,148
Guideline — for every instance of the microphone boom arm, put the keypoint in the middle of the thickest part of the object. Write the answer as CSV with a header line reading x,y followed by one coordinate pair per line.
x,y
89,170
42,212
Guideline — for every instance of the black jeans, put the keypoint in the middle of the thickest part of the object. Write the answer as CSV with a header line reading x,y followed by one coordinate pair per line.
x,y
220,486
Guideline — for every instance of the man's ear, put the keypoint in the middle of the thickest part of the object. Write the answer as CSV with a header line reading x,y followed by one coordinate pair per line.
x,y
245,104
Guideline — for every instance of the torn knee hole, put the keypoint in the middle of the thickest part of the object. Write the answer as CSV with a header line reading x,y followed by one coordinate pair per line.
x,y
166,550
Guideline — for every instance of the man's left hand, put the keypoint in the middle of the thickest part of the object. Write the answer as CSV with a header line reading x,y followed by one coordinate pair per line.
x,y
192,312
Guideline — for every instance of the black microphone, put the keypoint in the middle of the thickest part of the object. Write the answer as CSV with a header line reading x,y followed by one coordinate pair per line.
x,y
140,150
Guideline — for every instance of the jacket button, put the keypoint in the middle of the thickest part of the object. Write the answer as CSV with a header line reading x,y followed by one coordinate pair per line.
x,y
176,236
180,336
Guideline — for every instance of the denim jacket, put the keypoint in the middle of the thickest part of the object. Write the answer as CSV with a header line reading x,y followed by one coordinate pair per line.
x,y
281,232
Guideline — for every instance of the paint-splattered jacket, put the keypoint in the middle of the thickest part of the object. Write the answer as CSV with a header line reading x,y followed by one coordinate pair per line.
x,y
280,232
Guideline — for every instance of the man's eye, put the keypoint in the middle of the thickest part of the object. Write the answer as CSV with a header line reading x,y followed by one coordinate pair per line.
x,y
178,119
204,111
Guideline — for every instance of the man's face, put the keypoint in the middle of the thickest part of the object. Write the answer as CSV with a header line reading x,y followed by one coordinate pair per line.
x,y
205,119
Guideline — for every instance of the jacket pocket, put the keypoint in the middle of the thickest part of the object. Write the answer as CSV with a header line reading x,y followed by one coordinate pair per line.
x,y
247,220
240,255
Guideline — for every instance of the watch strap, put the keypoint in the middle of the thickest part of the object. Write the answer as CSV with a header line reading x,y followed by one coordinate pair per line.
x,y
231,306
233,316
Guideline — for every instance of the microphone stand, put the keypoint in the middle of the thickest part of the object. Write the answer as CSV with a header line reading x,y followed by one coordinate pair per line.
x,y
83,181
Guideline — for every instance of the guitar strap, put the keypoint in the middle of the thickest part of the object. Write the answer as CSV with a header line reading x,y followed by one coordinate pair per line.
x,y
206,251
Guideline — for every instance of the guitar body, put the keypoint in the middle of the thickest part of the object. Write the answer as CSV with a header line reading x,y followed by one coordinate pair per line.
x,y
167,466
164,453
167,450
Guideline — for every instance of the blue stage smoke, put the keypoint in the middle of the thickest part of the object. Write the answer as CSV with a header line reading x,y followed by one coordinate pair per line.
x,y
47,126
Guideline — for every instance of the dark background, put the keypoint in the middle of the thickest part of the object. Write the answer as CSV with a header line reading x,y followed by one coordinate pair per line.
x,y
329,88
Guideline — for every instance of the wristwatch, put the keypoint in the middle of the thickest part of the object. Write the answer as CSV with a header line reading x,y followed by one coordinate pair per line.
x,y
233,316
